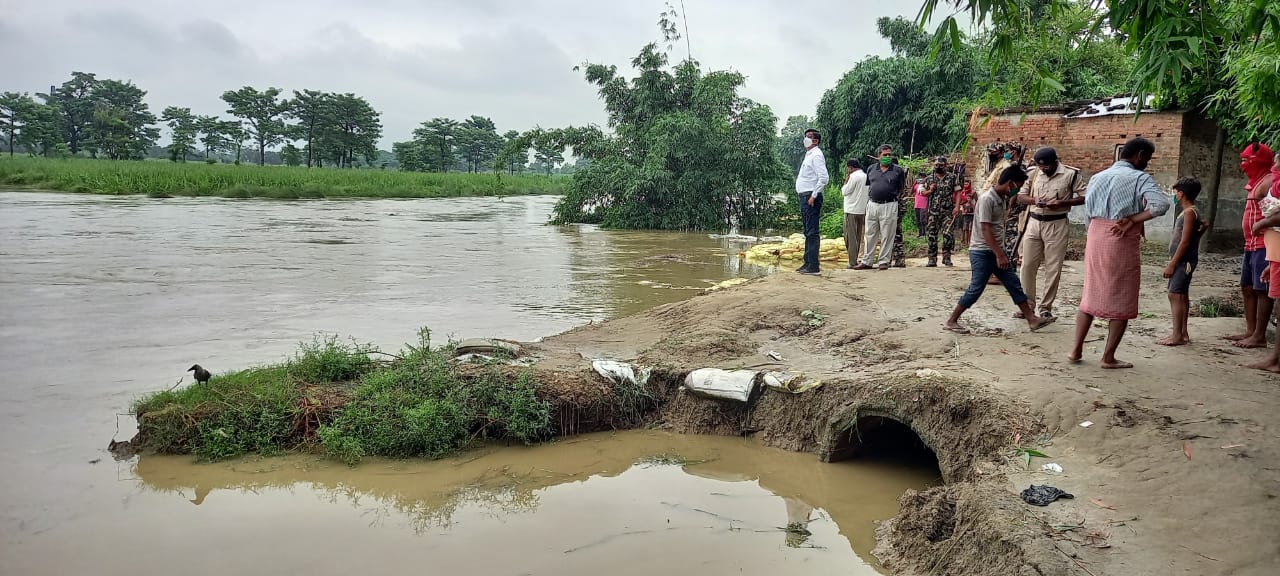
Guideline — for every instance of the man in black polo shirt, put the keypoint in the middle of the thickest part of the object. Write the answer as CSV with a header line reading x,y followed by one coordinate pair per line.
x,y
885,182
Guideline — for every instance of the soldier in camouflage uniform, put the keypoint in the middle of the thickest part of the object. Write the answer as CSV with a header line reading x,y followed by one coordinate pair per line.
x,y
906,204
940,187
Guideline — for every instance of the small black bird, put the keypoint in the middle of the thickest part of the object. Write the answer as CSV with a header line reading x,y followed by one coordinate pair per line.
x,y
202,375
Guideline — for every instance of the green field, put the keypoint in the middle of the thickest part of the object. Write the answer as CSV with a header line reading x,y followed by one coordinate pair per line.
x,y
230,181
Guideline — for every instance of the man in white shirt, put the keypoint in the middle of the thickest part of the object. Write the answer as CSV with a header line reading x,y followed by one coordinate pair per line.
x,y
855,209
810,181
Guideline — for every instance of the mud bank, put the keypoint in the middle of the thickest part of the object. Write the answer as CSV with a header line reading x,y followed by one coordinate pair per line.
x,y
891,377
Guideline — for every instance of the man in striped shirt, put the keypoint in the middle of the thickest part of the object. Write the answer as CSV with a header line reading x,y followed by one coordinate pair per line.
x,y
1118,200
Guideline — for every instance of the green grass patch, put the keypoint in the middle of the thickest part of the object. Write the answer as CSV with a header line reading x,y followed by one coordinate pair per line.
x,y
164,179
335,396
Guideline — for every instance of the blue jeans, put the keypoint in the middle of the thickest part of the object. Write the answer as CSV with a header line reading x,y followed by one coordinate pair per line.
x,y
984,265
810,215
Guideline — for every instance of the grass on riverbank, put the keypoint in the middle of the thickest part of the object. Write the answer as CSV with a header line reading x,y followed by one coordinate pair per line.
x,y
246,181
335,397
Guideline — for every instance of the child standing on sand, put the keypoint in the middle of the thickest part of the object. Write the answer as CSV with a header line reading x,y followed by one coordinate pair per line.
x,y
1184,255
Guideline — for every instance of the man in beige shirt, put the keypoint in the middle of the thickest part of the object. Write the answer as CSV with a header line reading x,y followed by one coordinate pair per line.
x,y
1054,188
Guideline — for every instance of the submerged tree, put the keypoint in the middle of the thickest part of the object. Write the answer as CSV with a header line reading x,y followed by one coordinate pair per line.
x,y
687,151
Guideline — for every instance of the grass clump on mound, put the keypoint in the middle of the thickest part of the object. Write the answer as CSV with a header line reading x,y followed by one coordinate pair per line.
x,y
335,397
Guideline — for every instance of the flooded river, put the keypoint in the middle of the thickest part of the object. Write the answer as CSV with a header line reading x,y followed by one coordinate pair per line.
x,y
103,299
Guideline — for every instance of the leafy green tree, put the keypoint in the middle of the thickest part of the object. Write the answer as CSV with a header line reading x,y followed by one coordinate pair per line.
x,y
184,128
511,155
548,153
41,130
311,109
262,113
74,106
350,128
1219,55
123,125
790,145
14,109
478,142
291,155
909,100
215,134
1087,62
411,156
687,151
437,135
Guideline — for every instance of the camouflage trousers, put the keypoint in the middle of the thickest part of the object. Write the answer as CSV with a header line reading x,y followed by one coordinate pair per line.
x,y
905,205
941,221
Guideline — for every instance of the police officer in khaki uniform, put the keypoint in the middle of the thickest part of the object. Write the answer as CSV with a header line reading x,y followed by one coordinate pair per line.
x,y
1053,189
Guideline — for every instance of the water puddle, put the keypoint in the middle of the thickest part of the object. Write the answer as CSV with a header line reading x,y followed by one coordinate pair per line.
x,y
638,502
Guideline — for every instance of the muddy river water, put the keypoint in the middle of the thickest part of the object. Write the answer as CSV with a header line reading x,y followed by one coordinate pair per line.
x,y
104,299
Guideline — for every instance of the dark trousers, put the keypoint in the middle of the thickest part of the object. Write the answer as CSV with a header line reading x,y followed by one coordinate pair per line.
x,y
984,265
810,215
922,221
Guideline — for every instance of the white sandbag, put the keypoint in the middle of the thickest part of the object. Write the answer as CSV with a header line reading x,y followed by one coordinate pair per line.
x,y
737,385
620,372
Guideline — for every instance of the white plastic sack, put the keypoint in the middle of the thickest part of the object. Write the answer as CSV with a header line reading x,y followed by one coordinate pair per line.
x,y
784,382
737,385
620,372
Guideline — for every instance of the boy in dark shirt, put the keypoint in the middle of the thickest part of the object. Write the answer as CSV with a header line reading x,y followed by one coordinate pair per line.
x,y
1184,255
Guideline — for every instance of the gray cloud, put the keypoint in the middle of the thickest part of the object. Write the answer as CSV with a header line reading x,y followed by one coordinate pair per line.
x,y
415,60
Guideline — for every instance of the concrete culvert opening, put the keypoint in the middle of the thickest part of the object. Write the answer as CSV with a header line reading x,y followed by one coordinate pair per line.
x,y
884,439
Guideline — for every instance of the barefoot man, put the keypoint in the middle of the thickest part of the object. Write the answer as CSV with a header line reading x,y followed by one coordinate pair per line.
x,y
987,256
1268,226
1256,161
1113,251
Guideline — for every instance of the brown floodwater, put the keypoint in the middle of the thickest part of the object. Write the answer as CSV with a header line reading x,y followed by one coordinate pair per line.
x,y
103,299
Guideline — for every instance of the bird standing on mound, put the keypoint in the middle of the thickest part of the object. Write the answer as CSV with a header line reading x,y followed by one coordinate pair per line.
x,y
202,375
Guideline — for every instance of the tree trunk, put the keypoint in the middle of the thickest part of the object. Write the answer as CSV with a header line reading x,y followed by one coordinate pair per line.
x,y
1215,182
262,151
311,132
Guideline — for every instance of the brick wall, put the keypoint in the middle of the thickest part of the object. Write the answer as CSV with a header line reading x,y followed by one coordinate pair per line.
x,y
1090,144
1198,138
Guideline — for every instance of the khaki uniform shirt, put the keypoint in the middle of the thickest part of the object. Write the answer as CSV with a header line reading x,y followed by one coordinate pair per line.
x,y
1065,183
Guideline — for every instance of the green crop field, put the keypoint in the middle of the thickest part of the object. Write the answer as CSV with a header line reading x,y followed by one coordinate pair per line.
x,y
246,181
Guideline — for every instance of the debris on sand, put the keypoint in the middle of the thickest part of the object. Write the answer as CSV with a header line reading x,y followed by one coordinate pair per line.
x,y
1043,495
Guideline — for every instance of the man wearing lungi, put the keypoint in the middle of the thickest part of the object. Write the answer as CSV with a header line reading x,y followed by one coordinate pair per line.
x,y
1113,250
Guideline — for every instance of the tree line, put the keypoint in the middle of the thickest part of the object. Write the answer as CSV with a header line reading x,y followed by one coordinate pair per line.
x,y
474,145
108,118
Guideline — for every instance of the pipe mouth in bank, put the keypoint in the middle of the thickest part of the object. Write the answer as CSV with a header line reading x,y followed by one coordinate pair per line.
x,y
882,438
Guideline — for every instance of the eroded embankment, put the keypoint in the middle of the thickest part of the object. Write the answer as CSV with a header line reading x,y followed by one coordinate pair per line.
x,y
347,403
968,526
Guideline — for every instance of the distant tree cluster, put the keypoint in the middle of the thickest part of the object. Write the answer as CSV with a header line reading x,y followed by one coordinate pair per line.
x,y
471,145
109,119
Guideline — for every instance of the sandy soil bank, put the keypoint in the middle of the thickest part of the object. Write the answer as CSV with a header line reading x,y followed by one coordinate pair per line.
x,y
1177,473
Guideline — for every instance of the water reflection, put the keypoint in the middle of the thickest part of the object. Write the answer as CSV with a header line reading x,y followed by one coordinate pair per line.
x,y
727,489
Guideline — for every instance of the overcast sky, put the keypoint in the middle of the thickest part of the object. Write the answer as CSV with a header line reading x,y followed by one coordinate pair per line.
x,y
417,59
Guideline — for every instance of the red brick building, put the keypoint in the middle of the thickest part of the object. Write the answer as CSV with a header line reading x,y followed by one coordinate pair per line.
x,y
1185,146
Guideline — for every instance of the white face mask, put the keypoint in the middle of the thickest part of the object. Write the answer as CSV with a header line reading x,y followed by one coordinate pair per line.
x,y
808,141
